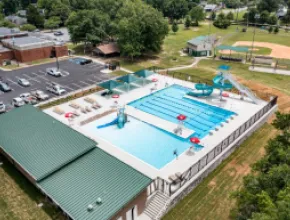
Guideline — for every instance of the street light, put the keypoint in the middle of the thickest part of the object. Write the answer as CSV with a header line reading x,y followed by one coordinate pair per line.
x,y
257,16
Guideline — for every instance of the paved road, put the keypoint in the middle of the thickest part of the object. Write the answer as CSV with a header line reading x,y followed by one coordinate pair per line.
x,y
74,77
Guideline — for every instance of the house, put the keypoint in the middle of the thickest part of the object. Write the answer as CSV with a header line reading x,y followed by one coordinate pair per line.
x,y
22,13
210,7
281,12
108,49
70,169
201,46
27,49
16,19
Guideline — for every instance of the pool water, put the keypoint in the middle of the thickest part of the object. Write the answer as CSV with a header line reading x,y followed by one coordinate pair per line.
x,y
170,102
156,146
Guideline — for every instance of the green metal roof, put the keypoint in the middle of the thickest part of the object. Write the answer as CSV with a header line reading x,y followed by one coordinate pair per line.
x,y
198,40
38,142
96,174
144,73
237,49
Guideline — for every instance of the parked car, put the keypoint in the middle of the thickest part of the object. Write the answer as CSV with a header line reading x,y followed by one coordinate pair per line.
x,y
2,107
58,33
86,61
17,102
53,72
28,98
40,95
56,89
4,87
23,82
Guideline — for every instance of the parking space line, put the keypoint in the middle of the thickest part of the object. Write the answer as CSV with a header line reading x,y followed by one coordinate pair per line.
x,y
91,80
42,77
87,84
76,85
40,71
31,78
14,83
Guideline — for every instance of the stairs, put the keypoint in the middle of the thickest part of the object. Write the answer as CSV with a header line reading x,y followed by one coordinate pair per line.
x,y
156,204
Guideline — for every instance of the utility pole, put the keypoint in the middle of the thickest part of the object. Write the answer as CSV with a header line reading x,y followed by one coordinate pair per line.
x,y
257,16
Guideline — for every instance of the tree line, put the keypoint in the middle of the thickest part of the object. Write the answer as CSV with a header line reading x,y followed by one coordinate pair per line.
x,y
265,194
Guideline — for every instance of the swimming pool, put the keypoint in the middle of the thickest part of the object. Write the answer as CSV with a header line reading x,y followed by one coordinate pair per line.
x,y
156,146
170,102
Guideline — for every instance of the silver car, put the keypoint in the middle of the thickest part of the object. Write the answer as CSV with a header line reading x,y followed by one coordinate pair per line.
x,y
2,107
53,72
23,82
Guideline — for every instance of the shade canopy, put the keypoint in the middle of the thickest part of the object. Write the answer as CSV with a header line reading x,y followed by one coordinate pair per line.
x,y
194,140
236,49
144,73
128,78
110,85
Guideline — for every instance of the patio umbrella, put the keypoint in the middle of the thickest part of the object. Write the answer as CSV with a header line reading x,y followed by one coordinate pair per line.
x,y
224,94
68,115
181,117
115,96
154,80
194,140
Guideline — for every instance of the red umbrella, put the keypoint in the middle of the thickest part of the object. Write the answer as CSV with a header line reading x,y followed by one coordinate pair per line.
x,y
224,94
115,96
181,117
154,80
194,140
68,115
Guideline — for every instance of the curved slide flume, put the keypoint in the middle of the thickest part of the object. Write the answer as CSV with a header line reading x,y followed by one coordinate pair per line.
x,y
115,121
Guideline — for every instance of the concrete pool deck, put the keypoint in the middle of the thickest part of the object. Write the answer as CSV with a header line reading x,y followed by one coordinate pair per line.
x,y
243,108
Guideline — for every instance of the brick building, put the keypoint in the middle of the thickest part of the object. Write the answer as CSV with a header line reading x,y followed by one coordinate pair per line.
x,y
28,48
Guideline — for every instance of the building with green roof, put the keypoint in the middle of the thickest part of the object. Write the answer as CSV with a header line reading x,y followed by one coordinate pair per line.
x,y
83,180
201,46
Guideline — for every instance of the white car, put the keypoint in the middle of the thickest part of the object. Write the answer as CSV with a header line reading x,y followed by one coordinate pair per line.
x,y
53,72
2,107
17,102
23,82
28,98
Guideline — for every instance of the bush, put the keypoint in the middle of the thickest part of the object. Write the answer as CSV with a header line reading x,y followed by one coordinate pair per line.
x,y
230,16
28,27
222,21
276,30
270,29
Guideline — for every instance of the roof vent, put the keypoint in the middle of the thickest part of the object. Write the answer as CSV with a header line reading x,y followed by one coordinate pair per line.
x,y
99,201
90,207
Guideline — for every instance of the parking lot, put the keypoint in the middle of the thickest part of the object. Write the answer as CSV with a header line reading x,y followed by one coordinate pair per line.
x,y
74,77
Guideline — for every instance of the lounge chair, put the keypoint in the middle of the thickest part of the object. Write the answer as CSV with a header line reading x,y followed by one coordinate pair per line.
x,y
76,113
83,110
173,178
90,100
95,106
58,110
74,105
87,108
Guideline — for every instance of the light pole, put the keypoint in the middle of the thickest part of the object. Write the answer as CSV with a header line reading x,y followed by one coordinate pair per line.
x,y
257,16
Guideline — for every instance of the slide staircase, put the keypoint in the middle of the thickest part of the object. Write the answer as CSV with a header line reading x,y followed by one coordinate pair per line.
x,y
241,88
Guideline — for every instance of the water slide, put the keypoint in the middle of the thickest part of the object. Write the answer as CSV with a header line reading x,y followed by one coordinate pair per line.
x,y
114,122
218,82
202,90
241,88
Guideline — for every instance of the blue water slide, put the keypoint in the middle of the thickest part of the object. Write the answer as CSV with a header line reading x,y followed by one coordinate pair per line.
x,y
219,85
202,90
115,121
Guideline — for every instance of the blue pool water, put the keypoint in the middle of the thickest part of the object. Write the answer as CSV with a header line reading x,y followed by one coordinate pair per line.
x,y
153,145
170,102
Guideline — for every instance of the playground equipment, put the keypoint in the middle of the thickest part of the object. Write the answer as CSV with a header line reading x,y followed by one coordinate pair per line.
x,y
203,90
119,121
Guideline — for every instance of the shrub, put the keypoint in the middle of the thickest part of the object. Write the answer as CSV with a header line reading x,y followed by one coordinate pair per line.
x,y
28,27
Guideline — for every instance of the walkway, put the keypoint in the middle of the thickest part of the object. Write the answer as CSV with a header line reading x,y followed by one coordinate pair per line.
x,y
270,70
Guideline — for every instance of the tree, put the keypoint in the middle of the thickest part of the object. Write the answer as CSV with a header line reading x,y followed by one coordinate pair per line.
x,y
174,27
10,6
265,194
276,30
52,23
87,25
141,28
34,17
268,5
251,15
270,30
264,17
213,16
187,22
286,18
197,14
175,9
222,21
28,27
230,16
60,10
273,20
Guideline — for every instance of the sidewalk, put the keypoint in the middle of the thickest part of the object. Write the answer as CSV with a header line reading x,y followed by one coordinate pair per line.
x,y
270,70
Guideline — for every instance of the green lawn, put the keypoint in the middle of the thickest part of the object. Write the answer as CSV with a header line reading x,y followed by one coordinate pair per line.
x,y
211,198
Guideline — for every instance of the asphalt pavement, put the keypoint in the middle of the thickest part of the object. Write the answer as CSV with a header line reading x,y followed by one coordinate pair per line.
x,y
74,77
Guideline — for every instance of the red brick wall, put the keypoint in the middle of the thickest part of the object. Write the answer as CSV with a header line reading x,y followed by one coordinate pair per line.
x,y
61,51
139,201
6,55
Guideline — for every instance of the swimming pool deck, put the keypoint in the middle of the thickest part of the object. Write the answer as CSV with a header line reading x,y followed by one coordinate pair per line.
x,y
244,109
157,122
